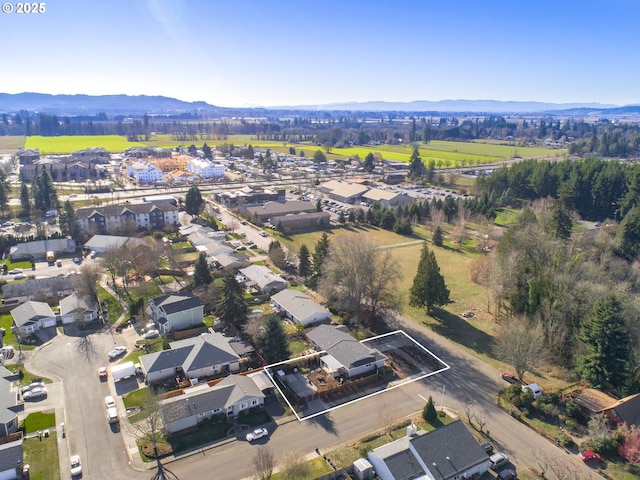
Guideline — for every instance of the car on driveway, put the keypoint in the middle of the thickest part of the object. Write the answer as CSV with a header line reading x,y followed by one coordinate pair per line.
x,y
116,352
103,373
35,394
110,402
31,386
153,333
256,434
507,474
509,377
498,460
588,456
76,466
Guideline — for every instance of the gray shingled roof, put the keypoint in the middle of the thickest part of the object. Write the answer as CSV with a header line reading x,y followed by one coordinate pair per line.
x,y
299,305
117,210
191,354
343,347
451,447
30,312
404,466
230,391
11,456
176,303
77,303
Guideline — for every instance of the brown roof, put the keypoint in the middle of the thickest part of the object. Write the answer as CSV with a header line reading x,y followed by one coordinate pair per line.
x,y
627,409
594,400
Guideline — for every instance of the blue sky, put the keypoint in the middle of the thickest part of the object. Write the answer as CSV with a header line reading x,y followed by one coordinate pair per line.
x,y
299,52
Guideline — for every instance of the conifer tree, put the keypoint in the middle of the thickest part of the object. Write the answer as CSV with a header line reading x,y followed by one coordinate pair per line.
x,y
438,237
274,345
429,289
429,413
304,264
201,273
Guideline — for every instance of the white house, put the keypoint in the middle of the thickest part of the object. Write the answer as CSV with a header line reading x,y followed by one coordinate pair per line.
x,y
78,308
207,355
449,452
176,312
230,396
300,308
344,354
144,173
32,316
205,168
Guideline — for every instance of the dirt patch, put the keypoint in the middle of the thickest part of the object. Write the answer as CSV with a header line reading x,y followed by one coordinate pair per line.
x,y
322,380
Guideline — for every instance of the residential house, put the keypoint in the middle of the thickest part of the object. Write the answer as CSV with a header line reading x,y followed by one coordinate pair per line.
x,y
182,176
300,308
144,152
28,156
127,217
9,404
344,355
207,355
625,410
230,396
11,459
449,452
32,316
92,154
78,308
104,243
38,249
263,279
176,312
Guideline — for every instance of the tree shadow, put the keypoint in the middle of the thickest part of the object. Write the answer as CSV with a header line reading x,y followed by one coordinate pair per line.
x,y
84,345
325,422
460,331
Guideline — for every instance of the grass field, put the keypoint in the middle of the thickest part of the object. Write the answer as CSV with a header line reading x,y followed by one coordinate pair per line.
x,y
10,142
42,457
443,153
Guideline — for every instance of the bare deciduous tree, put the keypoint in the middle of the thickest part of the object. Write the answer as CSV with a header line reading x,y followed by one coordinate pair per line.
x,y
522,345
264,463
86,282
386,419
358,275
293,466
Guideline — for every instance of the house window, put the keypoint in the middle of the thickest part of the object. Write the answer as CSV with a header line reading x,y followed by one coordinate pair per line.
x,y
200,415
254,402
243,405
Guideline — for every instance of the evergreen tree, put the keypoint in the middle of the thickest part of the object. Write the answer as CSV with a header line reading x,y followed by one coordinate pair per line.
x,y
320,252
43,192
429,413
25,201
232,306
304,264
5,190
438,237
201,273
416,167
206,150
69,225
319,157
369,164
193,201
628,236
429,289
607,363
273,342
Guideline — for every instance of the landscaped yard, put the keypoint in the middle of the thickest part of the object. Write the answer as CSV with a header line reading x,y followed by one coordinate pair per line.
x,y
42,457
38,421
113,305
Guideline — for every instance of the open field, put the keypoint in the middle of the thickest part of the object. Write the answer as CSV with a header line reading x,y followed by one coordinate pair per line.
x,y
68,144
9,143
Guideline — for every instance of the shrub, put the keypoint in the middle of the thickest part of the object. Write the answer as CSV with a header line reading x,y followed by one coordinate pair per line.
x,y
564,440
574,411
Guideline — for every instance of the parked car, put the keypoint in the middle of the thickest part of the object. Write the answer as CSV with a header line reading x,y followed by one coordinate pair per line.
x,y
110,402
20,276
498,460
102,373
588,456
116,352
31,386
487,448
507,474
76,466
256,434
509,377
15,271
77,260
262,233
153,333
35,394
534,388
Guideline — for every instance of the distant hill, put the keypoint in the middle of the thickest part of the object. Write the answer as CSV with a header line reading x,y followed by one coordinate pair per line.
x,y
91,105
140,104
479,106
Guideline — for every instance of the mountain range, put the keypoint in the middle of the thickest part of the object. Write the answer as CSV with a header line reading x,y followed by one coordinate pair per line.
x,y
140,104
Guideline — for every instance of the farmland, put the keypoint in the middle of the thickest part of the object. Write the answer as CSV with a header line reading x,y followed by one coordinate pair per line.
x,y
443,153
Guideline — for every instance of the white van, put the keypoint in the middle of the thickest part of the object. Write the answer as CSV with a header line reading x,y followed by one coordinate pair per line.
x,y
535,389
112,415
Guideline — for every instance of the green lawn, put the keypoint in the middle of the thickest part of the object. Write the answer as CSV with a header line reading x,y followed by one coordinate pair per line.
x,y
201,436
113,305
38,421
136,398
67,144
42,457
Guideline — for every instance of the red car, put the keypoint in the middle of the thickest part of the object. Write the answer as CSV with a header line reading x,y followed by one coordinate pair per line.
x,y
102,373
509,377
590,456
